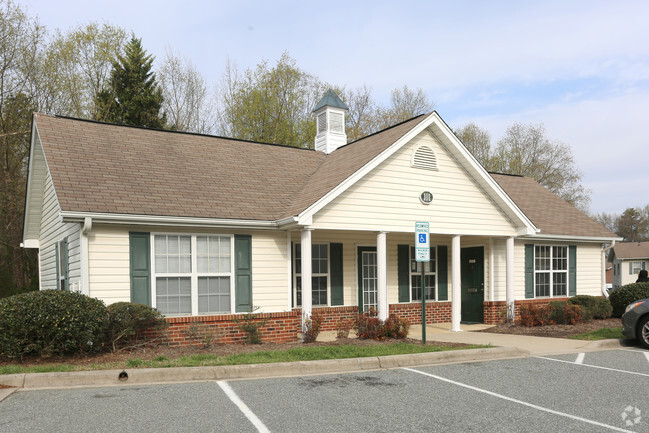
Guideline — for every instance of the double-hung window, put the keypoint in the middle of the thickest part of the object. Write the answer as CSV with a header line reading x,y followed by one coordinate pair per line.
x,y
635,267
193,274
550,270
319,274
430,275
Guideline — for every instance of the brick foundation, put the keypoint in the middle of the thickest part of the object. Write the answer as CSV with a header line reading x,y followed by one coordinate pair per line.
x,y
436,312
222,329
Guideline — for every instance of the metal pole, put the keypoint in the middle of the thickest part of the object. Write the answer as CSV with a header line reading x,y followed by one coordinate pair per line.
x,y
423,304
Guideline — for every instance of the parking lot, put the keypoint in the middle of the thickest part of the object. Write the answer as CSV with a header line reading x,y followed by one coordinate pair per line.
x,y
589,392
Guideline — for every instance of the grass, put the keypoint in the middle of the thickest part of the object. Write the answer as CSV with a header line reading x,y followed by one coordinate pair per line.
x,y
261,357
600,334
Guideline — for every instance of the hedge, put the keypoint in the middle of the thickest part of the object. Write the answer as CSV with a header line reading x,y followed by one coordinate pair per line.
x,y
623,296
51,322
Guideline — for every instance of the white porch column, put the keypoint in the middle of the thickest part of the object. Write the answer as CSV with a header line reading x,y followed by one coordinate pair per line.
x,y
492,270
456,304
306,275
509,278
382,277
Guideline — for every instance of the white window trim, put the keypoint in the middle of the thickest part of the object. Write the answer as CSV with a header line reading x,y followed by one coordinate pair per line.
x,y
552,271
634,270
313,274
419,273
193,274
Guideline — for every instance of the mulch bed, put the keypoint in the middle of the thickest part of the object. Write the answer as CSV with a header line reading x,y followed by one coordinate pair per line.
x,y
558,331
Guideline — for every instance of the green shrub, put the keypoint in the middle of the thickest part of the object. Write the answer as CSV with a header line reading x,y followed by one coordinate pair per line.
x,y
593,307
51,322
126,319
558,312
251,325
574,313
623,296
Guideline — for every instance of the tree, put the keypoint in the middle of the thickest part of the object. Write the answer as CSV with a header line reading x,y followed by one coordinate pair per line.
x,y
525,150
77,67
20,43
271,105
404,104
133,96
477,141
633,225
186,99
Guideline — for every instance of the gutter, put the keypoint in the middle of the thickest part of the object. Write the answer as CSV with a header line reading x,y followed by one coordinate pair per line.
x,y
149,220
604,251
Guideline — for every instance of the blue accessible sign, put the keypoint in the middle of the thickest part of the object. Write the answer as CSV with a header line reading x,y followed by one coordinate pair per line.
x,y
422,242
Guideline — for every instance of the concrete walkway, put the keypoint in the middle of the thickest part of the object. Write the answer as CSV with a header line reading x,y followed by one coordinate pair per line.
x,y
508,346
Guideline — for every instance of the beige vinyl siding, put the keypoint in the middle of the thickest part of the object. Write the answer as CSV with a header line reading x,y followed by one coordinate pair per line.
x,y
110,264
589,268
387,198
625,277
52,230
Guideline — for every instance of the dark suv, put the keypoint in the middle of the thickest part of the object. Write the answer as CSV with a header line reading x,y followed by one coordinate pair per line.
x,y
635,321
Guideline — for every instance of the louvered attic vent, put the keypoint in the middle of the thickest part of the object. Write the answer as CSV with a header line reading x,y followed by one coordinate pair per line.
x,y
424,157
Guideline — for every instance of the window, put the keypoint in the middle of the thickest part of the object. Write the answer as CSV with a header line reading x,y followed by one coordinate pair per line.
x,y
635,267
193,274
62,264
430,274
550,271
319,274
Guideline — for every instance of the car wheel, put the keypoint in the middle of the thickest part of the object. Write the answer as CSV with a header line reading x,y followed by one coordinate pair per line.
x,y
643,332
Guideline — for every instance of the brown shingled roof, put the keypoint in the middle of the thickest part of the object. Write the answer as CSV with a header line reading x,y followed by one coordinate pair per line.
x,y
104,168
548,212
631,250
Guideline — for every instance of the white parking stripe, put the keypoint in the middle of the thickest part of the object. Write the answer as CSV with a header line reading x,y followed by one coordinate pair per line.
x,y
646,355
595,366
242,407
580,358
524,403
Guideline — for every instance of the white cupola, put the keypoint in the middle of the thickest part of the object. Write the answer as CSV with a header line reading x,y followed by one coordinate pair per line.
x,y
330,121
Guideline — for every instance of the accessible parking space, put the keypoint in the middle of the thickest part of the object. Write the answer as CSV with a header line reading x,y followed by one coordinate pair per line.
x,y
591,392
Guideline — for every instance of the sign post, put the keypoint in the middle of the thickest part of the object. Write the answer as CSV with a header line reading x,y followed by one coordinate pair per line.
x,y
422,255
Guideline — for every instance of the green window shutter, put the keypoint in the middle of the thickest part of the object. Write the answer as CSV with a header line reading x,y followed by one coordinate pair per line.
x,y
140,262
243,273
572,270
630,268
292,255
336,270
529,271
403,272
442,273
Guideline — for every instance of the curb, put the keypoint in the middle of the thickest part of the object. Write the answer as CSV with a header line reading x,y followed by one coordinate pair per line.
x,y
140,376
613,343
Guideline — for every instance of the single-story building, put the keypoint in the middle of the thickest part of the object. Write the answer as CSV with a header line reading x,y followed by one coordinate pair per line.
x,y
628,259
204,228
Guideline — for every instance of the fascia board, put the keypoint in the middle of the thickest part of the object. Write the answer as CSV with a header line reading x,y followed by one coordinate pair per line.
x,y
307,215
486,177
154,220
549,237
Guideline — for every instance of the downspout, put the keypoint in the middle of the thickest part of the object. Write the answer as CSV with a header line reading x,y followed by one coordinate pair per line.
x,y
85,274
604,251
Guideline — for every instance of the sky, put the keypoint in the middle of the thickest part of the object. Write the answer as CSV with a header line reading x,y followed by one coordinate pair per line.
x,y
581,68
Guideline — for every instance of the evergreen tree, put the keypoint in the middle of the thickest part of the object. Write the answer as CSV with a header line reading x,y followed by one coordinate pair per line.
x,y
133,97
